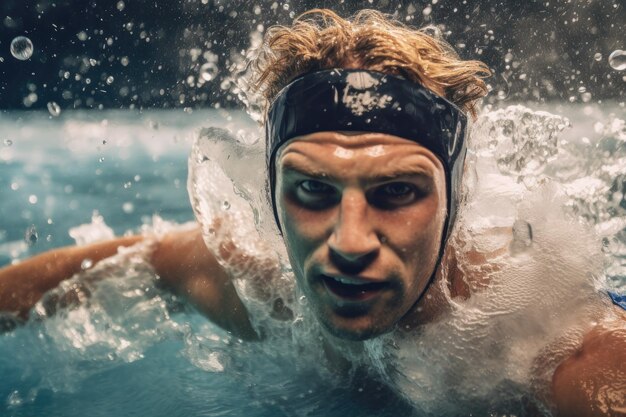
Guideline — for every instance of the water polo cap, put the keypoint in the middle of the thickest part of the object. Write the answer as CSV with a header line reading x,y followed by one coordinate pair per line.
x,y
370,101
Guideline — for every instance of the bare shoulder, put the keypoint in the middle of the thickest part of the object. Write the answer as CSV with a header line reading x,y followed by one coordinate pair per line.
x,y
592,382
182,251
184,264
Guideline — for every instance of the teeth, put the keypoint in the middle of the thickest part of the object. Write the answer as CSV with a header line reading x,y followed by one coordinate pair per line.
x,y
348,282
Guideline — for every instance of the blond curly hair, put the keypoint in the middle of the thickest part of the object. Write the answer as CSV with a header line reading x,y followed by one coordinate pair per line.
x,y
321,39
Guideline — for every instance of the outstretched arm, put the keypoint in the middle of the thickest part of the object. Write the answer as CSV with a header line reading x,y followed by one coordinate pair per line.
x,y
181,260
23,284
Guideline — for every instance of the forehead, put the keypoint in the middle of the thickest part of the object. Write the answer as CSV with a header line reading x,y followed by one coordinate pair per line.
x,y
356,152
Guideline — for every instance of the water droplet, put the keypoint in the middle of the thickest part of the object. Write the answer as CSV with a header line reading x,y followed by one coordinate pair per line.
x,y
208,71
120,5
31,236
286,6
110,79
522,237
225,205
32,199
302,300
14,399
617,60
597,56
54,108
21,48
86,264
128,207
93,62
8,142
101,159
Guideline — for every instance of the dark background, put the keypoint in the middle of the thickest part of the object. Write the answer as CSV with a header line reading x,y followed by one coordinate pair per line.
x,y
154,50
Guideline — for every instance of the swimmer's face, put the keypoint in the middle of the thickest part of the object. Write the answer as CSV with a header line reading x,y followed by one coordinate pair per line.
x,y
362,216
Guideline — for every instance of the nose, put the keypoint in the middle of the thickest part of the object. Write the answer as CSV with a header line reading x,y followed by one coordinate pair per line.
x,y
354,242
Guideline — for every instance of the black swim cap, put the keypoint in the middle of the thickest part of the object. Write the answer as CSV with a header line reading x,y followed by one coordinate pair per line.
x,y
370,101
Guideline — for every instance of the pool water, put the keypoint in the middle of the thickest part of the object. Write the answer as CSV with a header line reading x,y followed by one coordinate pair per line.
x,y
131,348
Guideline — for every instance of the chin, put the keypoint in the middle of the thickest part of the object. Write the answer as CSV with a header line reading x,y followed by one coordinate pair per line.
x,y
356,332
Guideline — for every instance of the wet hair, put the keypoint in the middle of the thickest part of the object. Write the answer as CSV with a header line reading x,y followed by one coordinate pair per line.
x,y
320,39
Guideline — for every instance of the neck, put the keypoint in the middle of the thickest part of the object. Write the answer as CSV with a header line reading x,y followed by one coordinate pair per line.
x,y
445,283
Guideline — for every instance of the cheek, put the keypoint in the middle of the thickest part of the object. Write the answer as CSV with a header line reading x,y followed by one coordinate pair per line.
x,y
303,231
415,236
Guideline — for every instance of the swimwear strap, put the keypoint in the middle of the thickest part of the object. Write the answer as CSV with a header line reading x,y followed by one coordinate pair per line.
x,y
618,299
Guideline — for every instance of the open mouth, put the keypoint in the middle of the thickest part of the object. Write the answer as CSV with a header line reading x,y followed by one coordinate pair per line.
x,y
353,290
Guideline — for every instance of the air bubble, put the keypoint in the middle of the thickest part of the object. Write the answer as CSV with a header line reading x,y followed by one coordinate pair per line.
x,y
21,48
110,79
225,205
208,71
617,60
86,264
128,207
597,56
8,142
54,109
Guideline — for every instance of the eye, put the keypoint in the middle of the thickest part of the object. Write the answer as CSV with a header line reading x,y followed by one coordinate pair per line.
x,y
395,194
315,187
315,194
397,189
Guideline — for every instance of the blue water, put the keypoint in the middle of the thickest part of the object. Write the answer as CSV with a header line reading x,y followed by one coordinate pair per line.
x,y
132,348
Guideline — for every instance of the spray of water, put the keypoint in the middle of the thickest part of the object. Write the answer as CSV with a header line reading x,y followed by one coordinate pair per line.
x,y
538,292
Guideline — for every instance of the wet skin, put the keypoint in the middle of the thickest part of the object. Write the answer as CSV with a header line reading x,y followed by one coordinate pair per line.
x,y
362,216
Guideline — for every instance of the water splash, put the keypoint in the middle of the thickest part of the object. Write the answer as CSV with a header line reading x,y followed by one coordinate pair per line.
x,y
226,186
531,302
96,231
31,236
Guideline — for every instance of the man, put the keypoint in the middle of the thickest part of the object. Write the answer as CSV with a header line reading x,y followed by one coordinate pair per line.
x,y
366,125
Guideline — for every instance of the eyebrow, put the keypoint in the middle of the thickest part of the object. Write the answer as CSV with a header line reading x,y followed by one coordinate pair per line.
x,y
391,174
